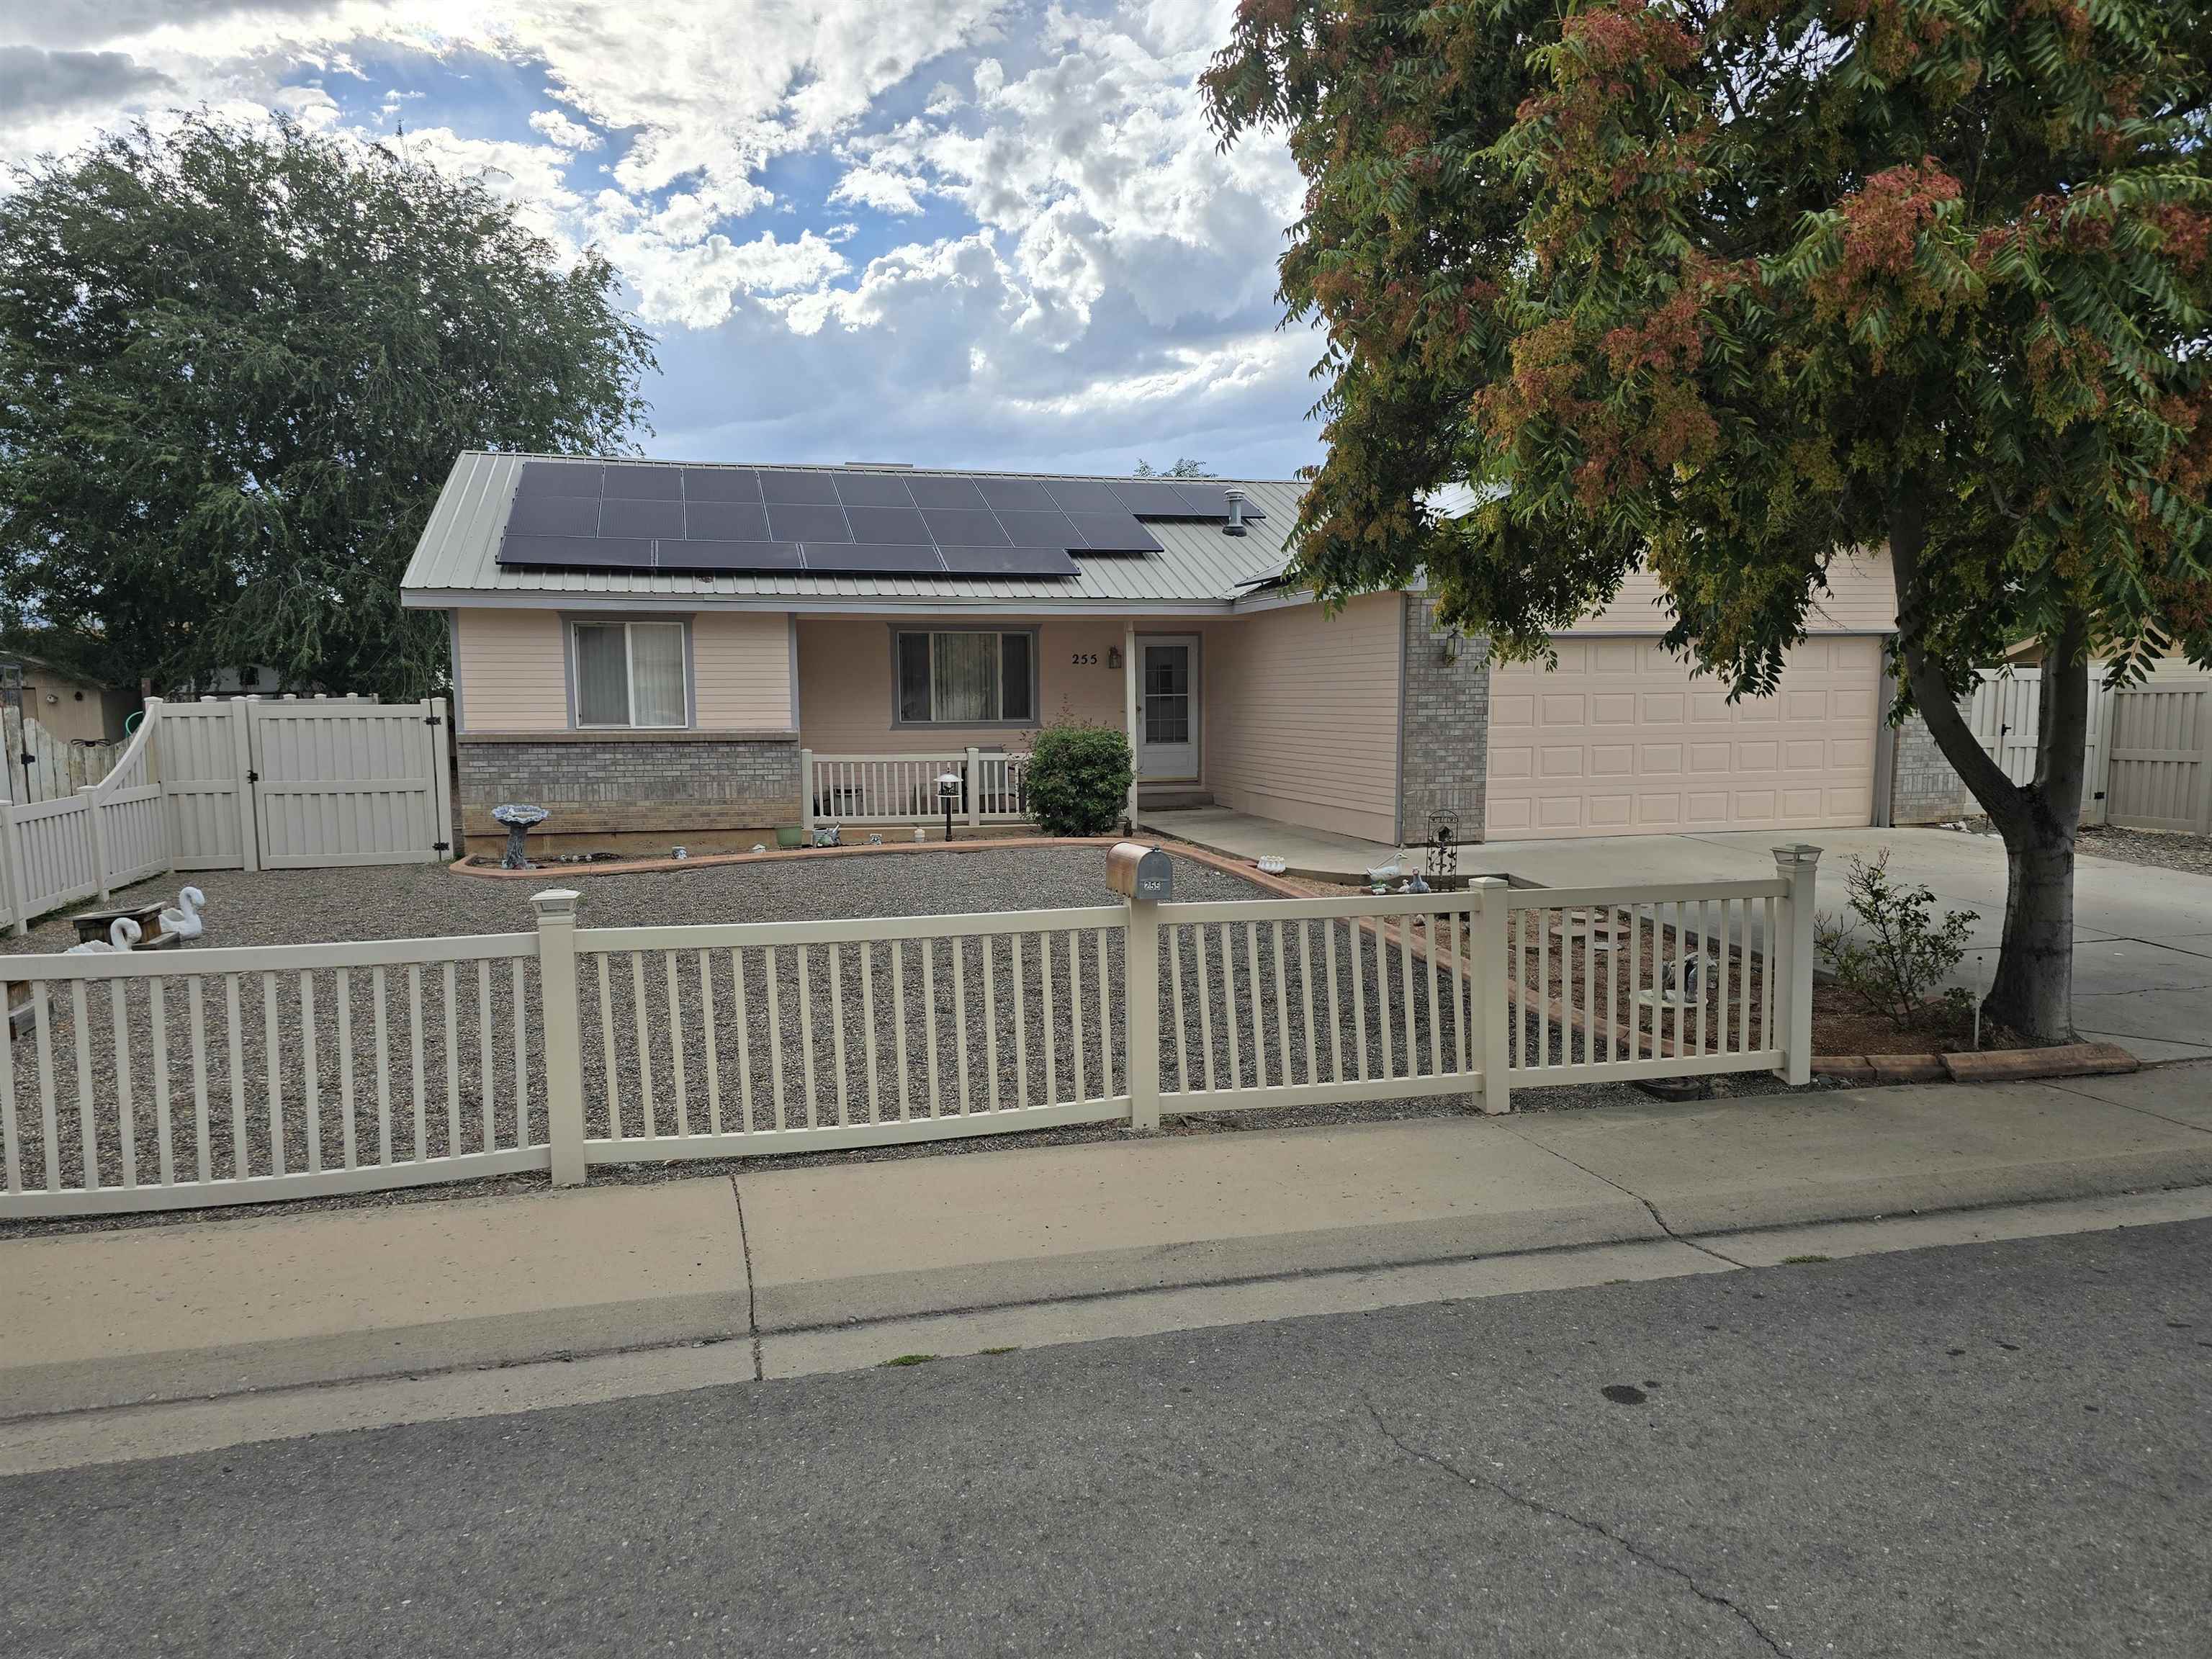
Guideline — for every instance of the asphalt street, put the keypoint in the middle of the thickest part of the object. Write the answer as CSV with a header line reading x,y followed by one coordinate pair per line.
x,y
1980,1450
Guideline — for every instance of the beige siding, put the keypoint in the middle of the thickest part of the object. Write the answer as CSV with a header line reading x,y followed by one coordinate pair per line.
x,y
69,710
1862,599
742,659
845,703
509,667
1301,716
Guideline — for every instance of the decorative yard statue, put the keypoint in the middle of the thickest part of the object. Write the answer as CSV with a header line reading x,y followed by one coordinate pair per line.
x,y
1443,842
519,822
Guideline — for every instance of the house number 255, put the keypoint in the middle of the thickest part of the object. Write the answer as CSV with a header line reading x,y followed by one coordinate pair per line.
x,y
1086,659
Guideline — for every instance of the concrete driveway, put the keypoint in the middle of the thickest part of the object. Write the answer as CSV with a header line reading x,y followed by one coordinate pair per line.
x,y
2143,958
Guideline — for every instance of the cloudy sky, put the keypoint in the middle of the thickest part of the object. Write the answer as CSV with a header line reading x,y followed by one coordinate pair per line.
x,y
953,232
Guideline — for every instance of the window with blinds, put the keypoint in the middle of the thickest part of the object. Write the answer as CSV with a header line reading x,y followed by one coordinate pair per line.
x,y
630,674
966,679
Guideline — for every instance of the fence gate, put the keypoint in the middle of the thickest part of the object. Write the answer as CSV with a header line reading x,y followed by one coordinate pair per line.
x,y
288,783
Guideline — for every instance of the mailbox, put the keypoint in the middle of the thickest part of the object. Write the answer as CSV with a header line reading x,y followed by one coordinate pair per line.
x,y
1138,872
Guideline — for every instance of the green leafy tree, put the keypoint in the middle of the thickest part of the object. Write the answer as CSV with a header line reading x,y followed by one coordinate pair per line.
x,y
1183,467
1734,287
236,367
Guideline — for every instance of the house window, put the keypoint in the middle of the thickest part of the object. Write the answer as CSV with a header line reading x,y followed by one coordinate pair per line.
x,y
966,679
630,674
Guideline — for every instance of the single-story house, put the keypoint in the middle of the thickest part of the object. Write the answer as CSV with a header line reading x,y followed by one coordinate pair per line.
x,y
660,652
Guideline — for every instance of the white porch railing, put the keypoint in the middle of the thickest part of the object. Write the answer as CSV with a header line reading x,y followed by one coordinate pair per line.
x,y
152,1081
904,788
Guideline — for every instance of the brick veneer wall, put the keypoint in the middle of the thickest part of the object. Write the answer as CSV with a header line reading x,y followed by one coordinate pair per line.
x,y
696,782
1925,787
1444,726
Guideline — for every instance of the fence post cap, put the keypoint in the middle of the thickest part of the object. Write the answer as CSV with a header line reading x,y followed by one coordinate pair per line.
x,y
555,902
1799,856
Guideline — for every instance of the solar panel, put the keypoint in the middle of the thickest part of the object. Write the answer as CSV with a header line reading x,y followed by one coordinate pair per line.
x,y
1009,561
554,515
725,521
807,522
577,552
1112,533
955,527
1150,498
707,557
651,483
921,560
947,493
558,479
889,527
721,484
872,490
1040,530
815,489
1015,494
630,515
646,518
1083,496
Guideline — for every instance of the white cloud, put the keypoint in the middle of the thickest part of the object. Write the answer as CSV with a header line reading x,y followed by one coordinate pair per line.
x,y
1116,272
561,132
879,188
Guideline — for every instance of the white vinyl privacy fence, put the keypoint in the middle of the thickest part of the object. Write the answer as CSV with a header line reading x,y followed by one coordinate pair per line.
x,y
259,783
239,784
2148,761
220,1076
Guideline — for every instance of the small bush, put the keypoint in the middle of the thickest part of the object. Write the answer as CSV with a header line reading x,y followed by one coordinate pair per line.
x,y
1079,779
1890,952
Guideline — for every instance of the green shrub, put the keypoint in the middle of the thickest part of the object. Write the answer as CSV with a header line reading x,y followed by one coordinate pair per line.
x,y
1078,780
1892,953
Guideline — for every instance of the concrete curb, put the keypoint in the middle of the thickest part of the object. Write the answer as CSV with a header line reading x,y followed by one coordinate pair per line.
x,y
498,1281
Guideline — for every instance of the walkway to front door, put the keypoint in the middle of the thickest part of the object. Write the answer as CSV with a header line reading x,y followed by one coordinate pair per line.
x,y
1167,708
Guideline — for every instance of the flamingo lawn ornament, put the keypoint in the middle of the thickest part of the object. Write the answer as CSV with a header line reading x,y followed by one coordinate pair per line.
x,y
122,934
184,920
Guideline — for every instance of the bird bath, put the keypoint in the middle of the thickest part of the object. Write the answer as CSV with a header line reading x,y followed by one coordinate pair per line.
x,y
520,821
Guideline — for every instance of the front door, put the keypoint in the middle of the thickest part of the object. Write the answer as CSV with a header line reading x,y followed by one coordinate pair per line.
x,y
1167,708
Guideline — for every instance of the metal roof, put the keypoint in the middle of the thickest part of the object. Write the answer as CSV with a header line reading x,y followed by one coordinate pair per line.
x,y
1198,569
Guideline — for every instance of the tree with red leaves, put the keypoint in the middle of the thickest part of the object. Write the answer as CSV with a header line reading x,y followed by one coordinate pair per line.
x,y
1732,288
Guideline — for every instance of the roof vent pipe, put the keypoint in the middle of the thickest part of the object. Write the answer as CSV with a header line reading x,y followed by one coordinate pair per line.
x,y
1236,525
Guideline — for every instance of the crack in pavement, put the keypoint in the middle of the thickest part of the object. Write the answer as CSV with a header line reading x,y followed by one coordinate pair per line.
x,y
1634,1551
1650,1209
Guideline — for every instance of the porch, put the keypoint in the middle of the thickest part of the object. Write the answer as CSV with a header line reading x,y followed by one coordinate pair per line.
x,y
1287,712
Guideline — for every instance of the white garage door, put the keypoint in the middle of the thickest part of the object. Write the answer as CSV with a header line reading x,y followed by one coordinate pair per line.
x,y
1622,739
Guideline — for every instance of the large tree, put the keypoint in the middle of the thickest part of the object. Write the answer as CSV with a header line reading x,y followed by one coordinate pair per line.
x,y
235,366
1736,287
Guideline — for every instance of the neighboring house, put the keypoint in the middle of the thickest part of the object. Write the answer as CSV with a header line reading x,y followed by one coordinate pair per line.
x,y
71,709
647,649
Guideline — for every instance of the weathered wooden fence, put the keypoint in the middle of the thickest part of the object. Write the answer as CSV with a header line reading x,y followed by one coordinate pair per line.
x,y
199,1076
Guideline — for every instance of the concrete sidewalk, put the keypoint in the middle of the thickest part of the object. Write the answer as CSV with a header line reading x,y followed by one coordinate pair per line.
x,y
175,1312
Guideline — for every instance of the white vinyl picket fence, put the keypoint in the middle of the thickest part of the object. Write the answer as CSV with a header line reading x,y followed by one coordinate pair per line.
x,y
223,1076
841,789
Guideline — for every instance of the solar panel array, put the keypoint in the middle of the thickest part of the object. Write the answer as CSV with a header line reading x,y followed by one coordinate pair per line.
x,y
701,520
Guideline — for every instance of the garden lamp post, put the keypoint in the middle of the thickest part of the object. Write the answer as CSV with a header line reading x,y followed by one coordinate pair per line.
x,y
948,791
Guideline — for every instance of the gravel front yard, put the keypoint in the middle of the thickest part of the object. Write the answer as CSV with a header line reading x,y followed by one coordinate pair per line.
x,y
446,1086
2159,848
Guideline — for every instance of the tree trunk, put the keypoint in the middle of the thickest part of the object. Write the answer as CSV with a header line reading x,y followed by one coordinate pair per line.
x,y
2033,990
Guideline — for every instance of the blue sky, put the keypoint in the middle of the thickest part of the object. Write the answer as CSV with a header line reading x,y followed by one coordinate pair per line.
x,y
951,232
